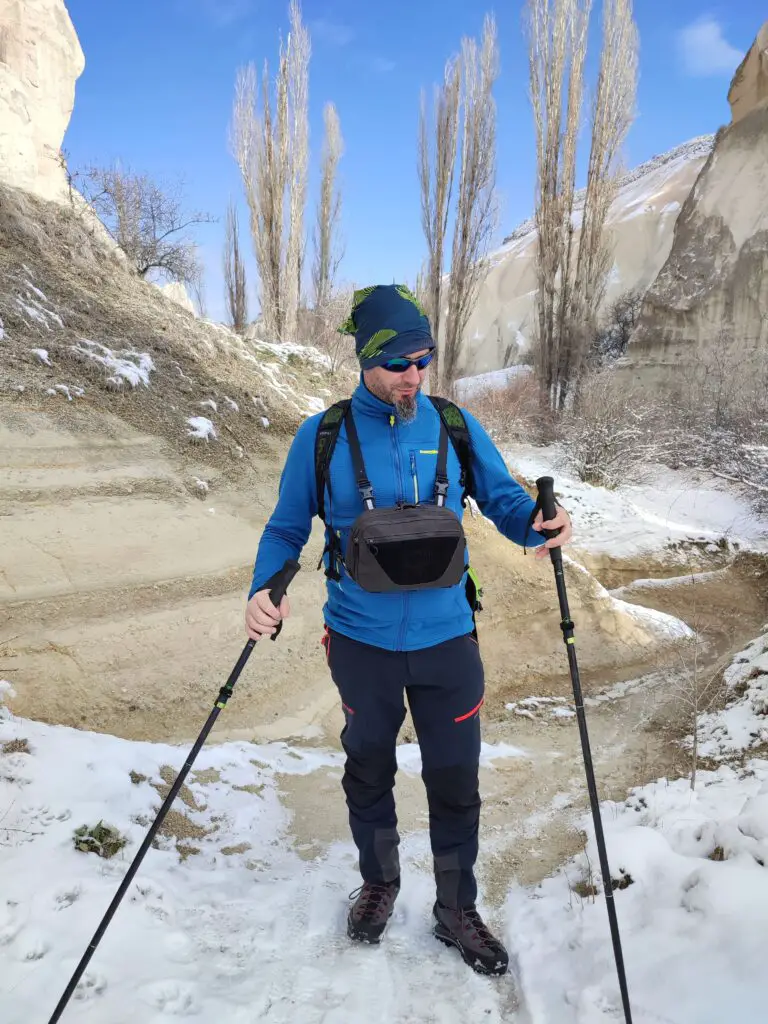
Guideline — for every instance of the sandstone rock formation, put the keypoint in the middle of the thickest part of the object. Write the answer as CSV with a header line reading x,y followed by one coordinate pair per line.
x,y
641,219
40,61
713,289
749,88
177,292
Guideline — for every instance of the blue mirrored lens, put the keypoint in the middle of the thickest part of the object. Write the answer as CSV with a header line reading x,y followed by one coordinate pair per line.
x,y
401,365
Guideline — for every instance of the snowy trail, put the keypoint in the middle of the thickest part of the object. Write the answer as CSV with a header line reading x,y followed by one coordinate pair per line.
x,y
256,934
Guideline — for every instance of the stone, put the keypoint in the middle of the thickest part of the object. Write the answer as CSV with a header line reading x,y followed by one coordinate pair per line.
x,y
749,88
713,289
40,61
176,292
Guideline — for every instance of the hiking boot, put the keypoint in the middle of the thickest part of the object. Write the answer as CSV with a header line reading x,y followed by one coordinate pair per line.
x,y
464,929
372,909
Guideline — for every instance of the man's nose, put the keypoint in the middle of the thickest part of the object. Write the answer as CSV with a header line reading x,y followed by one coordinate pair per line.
x,y
411,375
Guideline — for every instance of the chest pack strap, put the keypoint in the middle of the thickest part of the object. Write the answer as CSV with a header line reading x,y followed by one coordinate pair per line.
x,y
361,476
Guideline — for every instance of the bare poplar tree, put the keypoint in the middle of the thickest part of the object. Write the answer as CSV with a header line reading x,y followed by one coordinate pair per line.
x,y
612,113
436,164
557,49
571,277
476,207
297,69
270,148
146,220
235,289
327,250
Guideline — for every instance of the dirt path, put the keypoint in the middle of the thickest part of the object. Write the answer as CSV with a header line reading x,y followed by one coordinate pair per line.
x,y
122,589
534,796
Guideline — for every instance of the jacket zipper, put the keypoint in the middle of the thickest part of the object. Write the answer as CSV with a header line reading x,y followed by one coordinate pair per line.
x,y
401,496
415,479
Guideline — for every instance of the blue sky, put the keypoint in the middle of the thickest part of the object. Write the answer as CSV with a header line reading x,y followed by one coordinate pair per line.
x,y
159,78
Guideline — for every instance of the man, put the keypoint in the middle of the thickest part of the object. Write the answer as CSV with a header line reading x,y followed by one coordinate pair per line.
x,y
418,640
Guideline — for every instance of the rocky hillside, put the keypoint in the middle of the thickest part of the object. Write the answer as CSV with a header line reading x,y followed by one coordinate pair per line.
x,y
713,288
641,219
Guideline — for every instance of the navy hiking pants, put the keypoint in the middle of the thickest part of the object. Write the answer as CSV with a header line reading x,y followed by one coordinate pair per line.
x,y
445,687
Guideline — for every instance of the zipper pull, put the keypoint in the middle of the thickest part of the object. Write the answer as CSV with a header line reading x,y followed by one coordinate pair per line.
x,y
415,479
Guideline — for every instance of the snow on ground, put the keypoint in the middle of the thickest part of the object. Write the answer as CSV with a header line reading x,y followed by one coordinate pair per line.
x,y
123,367
743,724
42,355
669,507
693,906
494,380
243,930
65,389
692,925
201,428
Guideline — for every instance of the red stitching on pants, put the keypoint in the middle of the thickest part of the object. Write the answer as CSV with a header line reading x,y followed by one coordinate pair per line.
x,y
469,714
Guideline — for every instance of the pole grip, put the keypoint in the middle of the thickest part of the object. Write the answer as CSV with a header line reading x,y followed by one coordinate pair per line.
x,y
546,488
278,587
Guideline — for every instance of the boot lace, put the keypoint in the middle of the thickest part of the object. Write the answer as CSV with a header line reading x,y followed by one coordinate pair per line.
x,y
373,896
473,924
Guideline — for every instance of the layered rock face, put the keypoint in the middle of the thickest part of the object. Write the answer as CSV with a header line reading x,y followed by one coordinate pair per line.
x,y
713,289
749,88
40,61
641,221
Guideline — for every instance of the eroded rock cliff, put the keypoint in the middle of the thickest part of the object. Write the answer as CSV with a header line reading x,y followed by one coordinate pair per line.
x,y
40,61
713,288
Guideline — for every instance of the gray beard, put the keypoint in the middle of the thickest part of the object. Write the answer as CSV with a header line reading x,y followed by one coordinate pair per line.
x,y
406,409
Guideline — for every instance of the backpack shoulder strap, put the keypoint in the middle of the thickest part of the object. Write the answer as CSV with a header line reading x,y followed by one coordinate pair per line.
x,y
458,431
325,442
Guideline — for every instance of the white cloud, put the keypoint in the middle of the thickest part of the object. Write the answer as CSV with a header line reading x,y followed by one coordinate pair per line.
x,y
706,51
333,32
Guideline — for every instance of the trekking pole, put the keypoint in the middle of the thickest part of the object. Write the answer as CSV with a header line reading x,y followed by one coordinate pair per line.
x,y
546,488
278,586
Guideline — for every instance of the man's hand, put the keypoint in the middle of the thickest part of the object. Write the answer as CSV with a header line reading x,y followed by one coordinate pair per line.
x,y
561,522
261,616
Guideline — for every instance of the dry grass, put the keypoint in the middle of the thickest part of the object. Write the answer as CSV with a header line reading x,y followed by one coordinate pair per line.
x,y
17,746
97,297
514,412
185,794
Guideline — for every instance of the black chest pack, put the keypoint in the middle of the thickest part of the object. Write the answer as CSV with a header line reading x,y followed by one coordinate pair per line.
x,y
404,547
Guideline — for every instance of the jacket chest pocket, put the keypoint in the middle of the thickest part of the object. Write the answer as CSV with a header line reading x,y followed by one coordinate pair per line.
x,y
422,466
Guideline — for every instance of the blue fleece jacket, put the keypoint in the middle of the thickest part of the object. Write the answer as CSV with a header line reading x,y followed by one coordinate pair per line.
x,y
401,460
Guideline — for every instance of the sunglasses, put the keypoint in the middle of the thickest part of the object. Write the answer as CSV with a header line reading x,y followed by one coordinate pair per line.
x,y
400,364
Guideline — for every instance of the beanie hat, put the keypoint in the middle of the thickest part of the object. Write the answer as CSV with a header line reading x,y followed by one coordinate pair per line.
x,y
387,320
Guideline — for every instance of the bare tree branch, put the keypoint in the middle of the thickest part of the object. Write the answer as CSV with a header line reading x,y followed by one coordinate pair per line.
x,y
235,289
146,220
571,276
436,164
297,70
476,207
328,252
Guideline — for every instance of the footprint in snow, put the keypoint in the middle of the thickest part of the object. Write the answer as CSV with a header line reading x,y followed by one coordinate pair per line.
x,y
10,922
41,814
65,898
32,947
174,997
91,985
